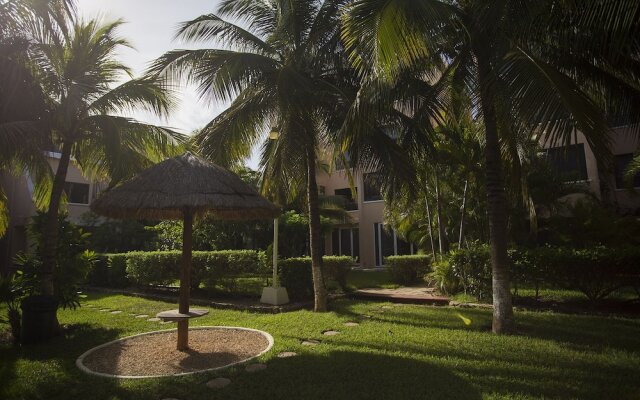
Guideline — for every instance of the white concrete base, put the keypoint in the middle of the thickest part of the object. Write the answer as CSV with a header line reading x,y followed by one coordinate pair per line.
x,y
274,295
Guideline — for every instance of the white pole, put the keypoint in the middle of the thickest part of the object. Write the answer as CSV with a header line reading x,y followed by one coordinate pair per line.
x,y
275,252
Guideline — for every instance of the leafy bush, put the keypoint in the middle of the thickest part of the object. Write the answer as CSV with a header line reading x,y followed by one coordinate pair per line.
x,y
295,274
163,267
472,266
406,270
337,268
444,277
596,271
72,262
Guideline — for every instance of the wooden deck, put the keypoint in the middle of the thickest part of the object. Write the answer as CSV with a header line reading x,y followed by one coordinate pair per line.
x,y
407,295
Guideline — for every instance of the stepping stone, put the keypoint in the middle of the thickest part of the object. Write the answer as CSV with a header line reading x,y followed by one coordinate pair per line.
x,y
89,305
255,367
331,333
310,342
132,314
351,324
116,312
387,307
104,310
166,322
287,354
154,319
141,316
218,383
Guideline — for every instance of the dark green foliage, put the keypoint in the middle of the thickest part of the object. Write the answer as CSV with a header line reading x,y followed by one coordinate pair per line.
x,y
596,271
121,237
407,270
295,274
163,267
444,277
72,264
473,267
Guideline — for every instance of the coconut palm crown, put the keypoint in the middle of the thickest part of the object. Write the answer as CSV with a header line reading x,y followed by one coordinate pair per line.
x,y
284,73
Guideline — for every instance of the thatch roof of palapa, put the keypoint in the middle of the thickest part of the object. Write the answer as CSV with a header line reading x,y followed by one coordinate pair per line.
x,y
187,182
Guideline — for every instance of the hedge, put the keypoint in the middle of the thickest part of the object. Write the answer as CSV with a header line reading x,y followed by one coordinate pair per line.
x,y
406,270
163,267
295,274
596,271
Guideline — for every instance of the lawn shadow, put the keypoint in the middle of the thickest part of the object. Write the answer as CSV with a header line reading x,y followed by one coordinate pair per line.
x,y
353,375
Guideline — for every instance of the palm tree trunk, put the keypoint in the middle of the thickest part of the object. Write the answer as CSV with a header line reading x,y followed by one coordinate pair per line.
x,y
442,233
319,290
426,203
50,237
463,212
503,321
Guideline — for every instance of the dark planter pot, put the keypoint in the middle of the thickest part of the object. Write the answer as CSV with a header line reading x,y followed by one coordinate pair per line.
x,y
39,319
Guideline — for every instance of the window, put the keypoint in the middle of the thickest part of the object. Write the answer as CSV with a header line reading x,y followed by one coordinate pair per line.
x,y
346,242
622,162
388,244
350,203
77,193
569,162
372,187
322,190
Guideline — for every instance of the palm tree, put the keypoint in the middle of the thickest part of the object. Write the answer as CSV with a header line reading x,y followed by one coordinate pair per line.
x,y
546,66
286,73
80,74
22,105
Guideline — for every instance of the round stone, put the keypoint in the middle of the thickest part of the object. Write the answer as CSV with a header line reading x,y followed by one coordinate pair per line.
x,y
287,354
116,312
255,367
351,324
218,383
154,319
331,333
142,316
310,342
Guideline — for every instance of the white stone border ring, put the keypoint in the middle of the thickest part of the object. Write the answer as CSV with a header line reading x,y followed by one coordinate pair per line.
x,y
84,368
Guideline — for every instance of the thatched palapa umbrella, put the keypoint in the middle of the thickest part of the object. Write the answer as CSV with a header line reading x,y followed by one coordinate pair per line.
x,y
181,188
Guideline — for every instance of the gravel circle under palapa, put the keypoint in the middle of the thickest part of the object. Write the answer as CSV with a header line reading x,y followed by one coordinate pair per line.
x,y
155,354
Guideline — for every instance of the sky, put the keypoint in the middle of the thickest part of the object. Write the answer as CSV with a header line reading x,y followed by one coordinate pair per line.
x,y
150,27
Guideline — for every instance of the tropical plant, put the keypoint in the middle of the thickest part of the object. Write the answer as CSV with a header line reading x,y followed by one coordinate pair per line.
x,y
23,110
80,76
536,67
284,73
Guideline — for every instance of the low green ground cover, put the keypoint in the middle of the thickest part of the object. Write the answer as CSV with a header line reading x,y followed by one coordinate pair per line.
x,y
397,352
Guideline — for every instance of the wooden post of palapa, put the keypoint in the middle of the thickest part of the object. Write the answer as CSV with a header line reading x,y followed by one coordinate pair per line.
x,y
185,280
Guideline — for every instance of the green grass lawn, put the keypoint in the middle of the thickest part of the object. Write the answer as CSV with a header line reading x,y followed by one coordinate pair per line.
x,y
397,352
371,279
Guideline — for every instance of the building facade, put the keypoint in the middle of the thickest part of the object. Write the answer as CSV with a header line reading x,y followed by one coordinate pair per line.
x,y
365,238
80,193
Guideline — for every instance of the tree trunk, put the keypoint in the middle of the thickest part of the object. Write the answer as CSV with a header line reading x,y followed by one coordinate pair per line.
x,y
426,203
442,233
185,280
503,321
319,290
50,236
463,212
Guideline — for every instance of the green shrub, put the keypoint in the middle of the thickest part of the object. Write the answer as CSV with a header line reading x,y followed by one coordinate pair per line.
x,y
596,271
406,270
163,267
473,267
337,268
295,274
443,277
